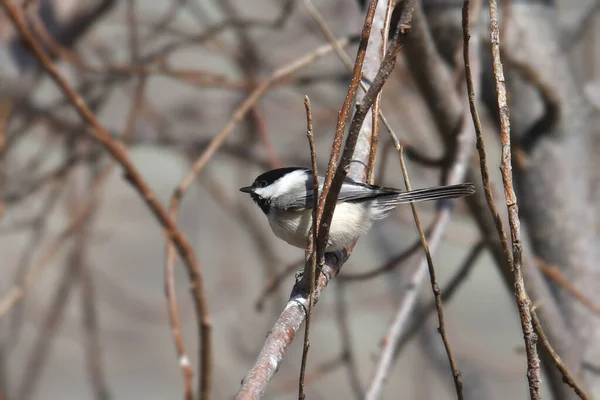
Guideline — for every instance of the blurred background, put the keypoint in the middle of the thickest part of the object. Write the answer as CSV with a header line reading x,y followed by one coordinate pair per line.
x,y
83,312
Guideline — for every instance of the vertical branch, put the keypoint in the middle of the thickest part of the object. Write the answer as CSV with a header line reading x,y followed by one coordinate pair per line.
x,y
523,303
514,258
324,217
311,251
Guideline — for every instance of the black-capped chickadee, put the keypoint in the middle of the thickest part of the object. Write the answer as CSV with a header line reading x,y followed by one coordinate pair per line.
x,y
285,195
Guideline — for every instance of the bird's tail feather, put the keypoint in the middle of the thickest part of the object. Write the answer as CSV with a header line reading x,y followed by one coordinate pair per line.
x,y
433,193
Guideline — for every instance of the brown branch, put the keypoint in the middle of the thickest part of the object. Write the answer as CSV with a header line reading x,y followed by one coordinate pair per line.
x,y
337,173
135,178
554,272
311,250
523,302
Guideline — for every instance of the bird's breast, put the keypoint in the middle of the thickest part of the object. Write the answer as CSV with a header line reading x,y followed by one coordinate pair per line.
x,y
350,221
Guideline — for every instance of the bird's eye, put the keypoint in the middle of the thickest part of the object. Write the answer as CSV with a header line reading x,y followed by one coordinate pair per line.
x,y
263,184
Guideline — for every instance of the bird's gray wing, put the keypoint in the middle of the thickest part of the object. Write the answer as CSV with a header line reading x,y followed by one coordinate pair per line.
x,y
302,198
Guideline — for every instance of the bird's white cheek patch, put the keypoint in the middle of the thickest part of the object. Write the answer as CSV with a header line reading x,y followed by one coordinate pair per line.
x,y
289,183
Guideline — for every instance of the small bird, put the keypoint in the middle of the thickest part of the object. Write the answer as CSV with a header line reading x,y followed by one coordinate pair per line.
x,y
285,195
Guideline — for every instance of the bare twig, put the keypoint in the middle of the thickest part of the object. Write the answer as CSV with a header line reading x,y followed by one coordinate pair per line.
x,y
311,250
434,285
523,303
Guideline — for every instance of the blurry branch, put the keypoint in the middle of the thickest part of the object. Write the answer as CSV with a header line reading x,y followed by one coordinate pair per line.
x,y
447,293
72,273
18,291
282,333
346,342
573,31
5,112
38,225
117,151
275,281
553,272
93,348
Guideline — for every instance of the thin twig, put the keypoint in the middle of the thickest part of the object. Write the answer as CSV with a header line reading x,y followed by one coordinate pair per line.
x,y
311,250
434,285
523,302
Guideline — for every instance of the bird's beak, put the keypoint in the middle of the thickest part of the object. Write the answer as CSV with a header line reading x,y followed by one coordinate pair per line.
x,y
247,189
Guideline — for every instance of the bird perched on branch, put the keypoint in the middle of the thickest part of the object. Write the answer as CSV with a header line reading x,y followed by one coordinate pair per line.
x,y
286,197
